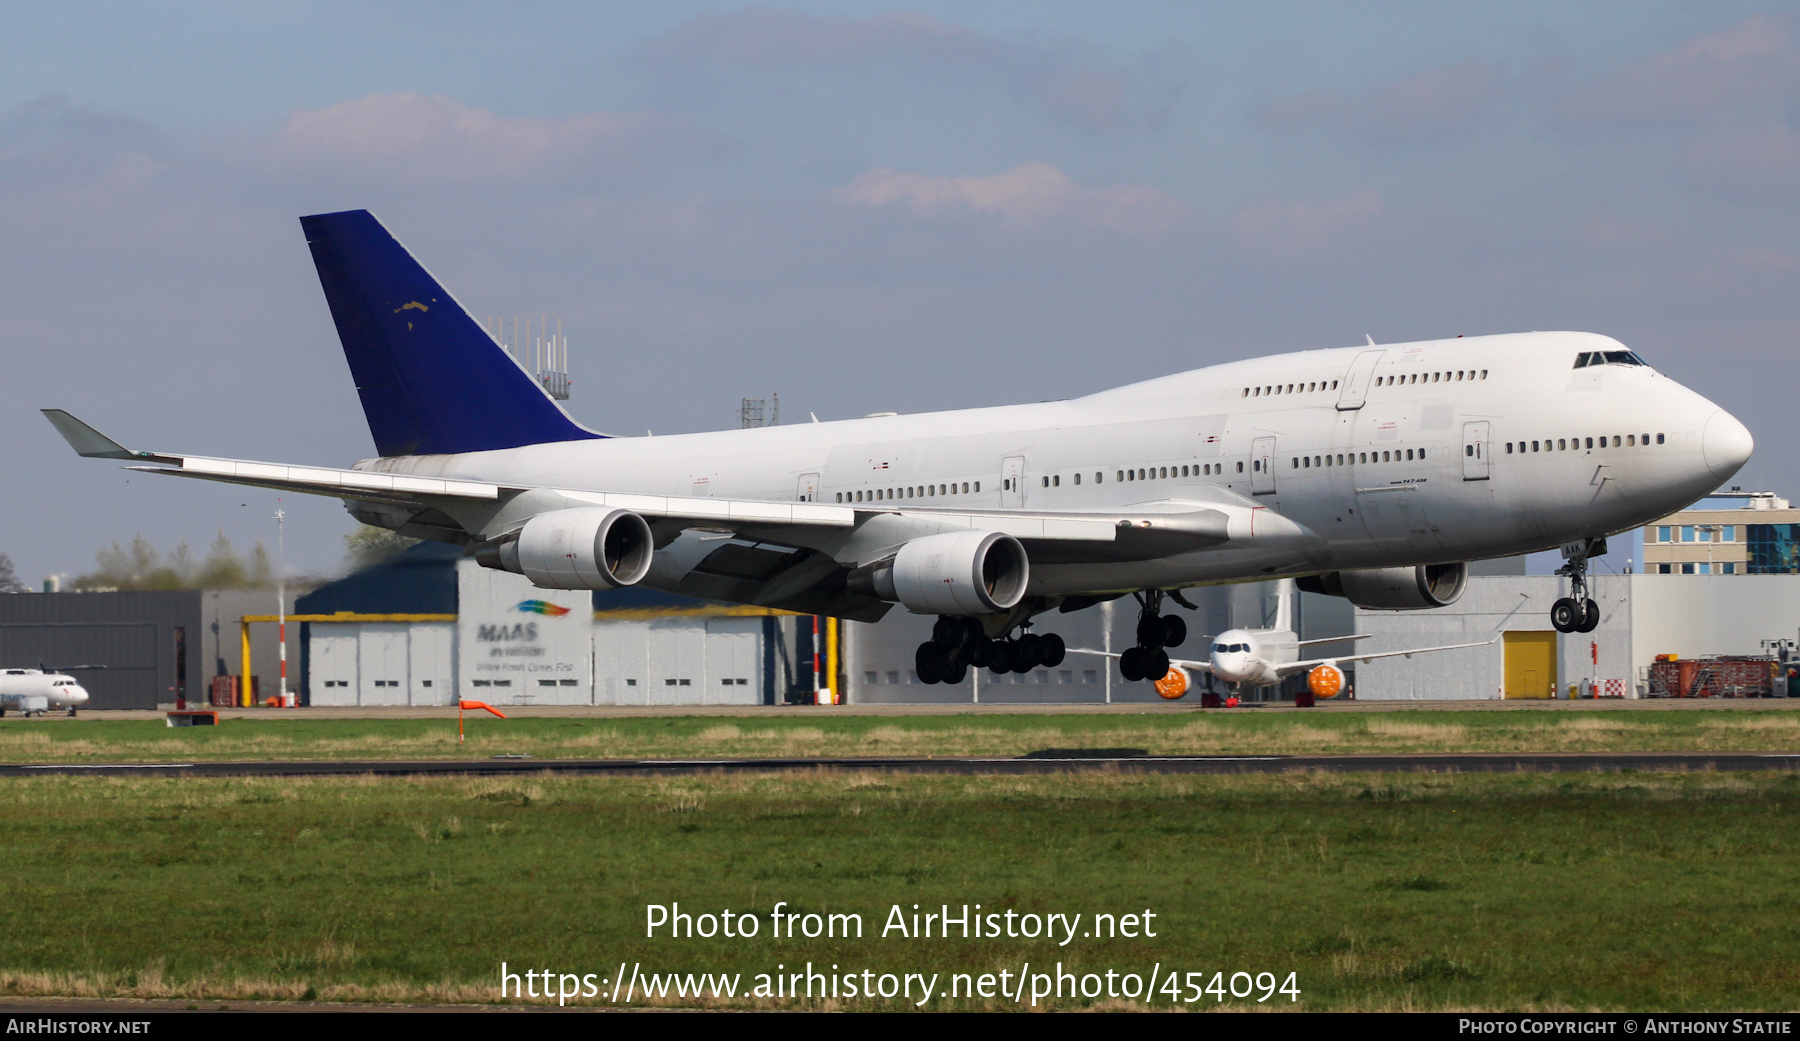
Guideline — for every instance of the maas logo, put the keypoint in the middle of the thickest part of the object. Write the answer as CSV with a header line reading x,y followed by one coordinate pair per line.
x,y
542,607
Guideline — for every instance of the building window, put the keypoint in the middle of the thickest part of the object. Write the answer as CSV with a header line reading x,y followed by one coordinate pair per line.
x,y
1089,676
1662,569
1728,533
1703,568
1687,569
1728,568
871,678
1662,534
1687,533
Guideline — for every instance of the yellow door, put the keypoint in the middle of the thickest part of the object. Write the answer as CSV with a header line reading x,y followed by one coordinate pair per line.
x,y
1530,665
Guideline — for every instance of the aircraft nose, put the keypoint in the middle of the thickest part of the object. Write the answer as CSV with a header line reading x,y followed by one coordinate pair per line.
x,y
1726,444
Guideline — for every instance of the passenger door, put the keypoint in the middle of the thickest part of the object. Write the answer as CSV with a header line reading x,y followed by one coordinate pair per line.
x,y
1475,451
1012,482
1356,382
1262,466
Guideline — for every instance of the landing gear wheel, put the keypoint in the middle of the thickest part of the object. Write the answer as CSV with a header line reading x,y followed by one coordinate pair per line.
x,y
948,632
1053,649
1174,630
955,673
71,710
928,662
1566,615
1028,652
1000,657
976,652
1150,631
1156,664
1590,619
1131,664
1577,612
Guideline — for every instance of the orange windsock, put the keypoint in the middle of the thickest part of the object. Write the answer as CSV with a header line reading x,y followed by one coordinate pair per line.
x,y
481,705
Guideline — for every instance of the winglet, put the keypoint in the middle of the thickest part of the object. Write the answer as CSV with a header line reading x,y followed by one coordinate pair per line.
x,y
85,440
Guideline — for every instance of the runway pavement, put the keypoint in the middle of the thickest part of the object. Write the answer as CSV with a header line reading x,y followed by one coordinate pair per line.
x,y
1048,761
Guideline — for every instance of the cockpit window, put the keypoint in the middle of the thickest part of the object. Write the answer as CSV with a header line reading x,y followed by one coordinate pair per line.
x,y
1587,358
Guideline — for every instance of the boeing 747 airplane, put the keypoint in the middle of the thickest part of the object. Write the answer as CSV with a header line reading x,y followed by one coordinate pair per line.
x,y
1372,472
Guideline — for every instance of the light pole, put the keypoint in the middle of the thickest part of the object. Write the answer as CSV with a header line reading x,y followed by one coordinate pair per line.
x,y
281,603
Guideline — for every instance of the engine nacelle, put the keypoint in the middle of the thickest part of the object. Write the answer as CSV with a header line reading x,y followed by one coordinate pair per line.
x,y
1325,681
586,548
1174,684
1393,588
957,573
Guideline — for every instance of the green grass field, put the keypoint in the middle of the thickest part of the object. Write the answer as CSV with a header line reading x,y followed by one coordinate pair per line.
x,y
1467,892
1270,731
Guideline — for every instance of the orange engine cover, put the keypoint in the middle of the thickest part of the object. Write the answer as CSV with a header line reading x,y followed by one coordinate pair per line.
x,y
1325,681
1173,685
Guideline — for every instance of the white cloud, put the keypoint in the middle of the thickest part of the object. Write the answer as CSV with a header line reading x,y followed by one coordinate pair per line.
x,y
1299,227
429,137
1751,64
1059,78
1431,104
1029,194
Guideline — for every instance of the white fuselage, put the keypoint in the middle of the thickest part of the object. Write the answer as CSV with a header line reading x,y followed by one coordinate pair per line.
x,y
57,690
1382,456
1252,656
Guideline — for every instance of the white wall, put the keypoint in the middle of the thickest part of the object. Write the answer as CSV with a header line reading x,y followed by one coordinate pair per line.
x,y
511,654
682,660
382,663
1696,615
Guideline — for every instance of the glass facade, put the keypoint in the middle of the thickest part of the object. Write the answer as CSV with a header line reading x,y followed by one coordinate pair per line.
x,y
1774,548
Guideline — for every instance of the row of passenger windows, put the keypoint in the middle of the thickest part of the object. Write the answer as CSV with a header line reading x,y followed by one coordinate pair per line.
x,y
1702,568
1565,444
919,491
1446,376
1302,462
1307,462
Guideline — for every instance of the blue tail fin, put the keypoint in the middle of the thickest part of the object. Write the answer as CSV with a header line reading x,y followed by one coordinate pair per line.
x,y
431,378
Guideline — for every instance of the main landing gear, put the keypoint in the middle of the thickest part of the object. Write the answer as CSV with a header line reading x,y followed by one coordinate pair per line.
x,y
957,644
1155,631
1577,613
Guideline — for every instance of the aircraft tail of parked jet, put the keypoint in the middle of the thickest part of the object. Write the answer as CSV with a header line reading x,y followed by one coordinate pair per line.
x,y
431,379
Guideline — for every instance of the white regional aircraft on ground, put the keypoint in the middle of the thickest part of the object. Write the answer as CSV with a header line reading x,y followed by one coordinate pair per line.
x,y
37,690
1251,658
1372,472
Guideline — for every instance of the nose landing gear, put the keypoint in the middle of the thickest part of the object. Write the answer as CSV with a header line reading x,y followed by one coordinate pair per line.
x,y
1155,631
1577,613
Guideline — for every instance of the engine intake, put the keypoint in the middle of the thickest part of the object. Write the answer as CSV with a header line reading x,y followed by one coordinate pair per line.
x,y
587,548
957,573
1393,588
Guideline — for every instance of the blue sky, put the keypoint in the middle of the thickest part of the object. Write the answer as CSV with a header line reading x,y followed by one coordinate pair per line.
x,y
863,207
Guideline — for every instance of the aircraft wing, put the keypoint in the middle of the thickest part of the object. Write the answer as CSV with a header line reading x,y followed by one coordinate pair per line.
x,y
1193,666
1294,668
1147,532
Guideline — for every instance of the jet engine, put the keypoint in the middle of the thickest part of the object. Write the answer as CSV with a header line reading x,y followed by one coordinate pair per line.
x,y
1174,684
956,573
587,548
1325,681
1393,588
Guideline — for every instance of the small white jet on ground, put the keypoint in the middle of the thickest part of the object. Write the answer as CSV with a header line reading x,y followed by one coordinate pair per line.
x,y
1249,658
29,691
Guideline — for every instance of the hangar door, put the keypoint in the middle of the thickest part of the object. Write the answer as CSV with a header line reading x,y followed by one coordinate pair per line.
x,y
127,649
1530,665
